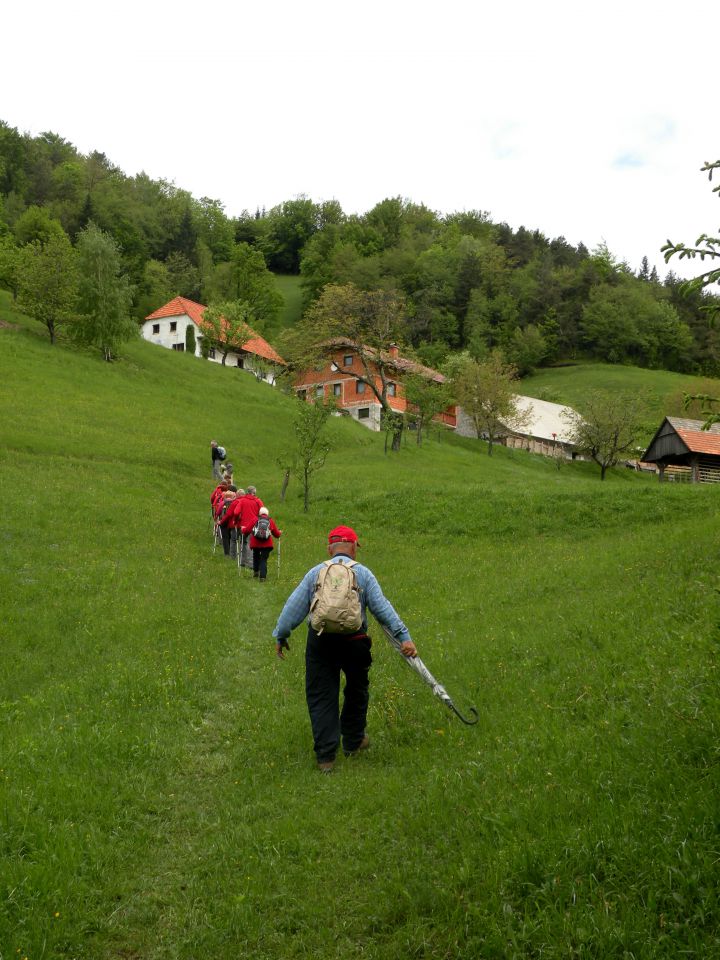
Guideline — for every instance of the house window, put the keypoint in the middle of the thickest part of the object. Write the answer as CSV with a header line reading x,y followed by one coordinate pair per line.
x,y
156,328
337,389
211,353
173,326
180,347
302,394
359,387
364,413
391,389
320,391
347,360
240,362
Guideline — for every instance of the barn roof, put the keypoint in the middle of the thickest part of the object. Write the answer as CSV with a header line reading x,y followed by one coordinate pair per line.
x,y
695,438
691,438
547,421
181,306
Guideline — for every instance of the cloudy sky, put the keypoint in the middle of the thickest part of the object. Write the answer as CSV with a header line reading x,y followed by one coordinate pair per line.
x,y
589,121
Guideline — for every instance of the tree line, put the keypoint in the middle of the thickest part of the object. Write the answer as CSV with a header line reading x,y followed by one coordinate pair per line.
x,y
465,283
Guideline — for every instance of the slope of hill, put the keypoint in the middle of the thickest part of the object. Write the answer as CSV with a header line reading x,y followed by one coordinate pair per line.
x,y
159,795
660,390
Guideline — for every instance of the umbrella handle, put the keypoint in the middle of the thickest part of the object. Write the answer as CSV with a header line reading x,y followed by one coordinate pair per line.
x,y
473,711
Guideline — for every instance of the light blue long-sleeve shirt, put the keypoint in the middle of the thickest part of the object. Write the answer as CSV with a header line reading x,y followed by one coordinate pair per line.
x,y
297,606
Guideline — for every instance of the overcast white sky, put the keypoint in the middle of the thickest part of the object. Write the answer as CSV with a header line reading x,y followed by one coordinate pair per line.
x,y
589,121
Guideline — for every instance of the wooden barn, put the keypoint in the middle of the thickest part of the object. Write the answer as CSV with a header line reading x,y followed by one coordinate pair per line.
x,y
682,447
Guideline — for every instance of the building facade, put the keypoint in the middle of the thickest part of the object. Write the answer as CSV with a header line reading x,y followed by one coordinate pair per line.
x,y
345,377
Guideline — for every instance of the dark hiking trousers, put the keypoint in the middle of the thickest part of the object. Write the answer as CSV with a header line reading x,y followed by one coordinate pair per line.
x,y
260,559
326,656
229,540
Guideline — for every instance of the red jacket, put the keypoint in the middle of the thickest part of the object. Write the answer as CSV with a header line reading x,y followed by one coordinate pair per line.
x,y
243,511
220,506
256,544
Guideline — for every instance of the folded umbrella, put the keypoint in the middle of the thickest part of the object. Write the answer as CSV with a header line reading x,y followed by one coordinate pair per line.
x,y
438,689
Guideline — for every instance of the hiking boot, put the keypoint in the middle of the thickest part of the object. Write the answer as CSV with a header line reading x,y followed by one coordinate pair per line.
x,y
363,745
326,766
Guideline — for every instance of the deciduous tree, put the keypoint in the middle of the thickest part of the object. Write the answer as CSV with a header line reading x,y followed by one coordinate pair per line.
x,y
485,391
426,398
607,428
312,445
373,321
105,294
227,326
47,281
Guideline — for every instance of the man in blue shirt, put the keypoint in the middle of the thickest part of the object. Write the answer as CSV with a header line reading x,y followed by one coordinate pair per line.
x,y
329,654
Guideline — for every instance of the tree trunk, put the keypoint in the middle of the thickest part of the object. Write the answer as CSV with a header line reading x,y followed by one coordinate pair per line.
x,y
283,491
396,426
603,468
306,491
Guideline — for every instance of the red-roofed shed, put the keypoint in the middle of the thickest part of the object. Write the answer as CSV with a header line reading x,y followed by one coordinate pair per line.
x,y
683,443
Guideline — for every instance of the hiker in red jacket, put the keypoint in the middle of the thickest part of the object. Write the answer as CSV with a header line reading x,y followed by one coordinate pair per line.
x,y
261,531
217,495
243,513
227,532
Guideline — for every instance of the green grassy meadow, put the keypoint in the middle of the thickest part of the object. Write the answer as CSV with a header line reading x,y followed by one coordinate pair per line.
x,y
158,795
289,287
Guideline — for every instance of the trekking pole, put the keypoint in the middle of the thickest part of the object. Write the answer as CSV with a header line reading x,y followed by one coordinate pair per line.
x,y
278,558
239,552
215,536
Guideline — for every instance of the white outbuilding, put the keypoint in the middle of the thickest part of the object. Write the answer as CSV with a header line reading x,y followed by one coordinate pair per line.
x,y
545,428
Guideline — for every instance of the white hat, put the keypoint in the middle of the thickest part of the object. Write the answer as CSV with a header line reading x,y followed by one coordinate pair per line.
x,y
263,512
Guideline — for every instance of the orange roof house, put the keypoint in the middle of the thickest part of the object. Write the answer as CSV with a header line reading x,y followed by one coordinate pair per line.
x,y
167,325
683,443
343,374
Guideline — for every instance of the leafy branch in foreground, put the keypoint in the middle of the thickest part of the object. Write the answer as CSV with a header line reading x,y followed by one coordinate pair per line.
x,y
708,407
706,247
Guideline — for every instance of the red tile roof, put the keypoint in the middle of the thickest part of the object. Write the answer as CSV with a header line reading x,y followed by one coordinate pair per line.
x,y
701,441
180,306
400,363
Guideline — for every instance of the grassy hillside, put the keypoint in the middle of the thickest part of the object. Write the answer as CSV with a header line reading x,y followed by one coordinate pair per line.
x,y
289,287
158,797
660,390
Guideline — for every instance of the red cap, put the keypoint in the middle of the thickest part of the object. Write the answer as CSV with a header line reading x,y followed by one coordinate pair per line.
x,y
343,535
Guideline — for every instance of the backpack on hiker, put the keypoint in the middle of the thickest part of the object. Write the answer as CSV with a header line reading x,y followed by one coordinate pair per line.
x,y
335,607
261,530
222,452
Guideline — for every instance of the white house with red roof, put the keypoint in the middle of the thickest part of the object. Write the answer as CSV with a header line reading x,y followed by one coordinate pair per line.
x,y
167,328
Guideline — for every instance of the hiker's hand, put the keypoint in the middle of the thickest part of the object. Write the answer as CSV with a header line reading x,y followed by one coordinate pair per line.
x,y
407,649
280,644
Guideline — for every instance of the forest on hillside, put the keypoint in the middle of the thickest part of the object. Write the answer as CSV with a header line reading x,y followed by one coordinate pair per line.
x,y
466,282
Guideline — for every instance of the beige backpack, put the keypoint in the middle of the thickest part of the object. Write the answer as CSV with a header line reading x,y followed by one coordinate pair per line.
x,y
335,607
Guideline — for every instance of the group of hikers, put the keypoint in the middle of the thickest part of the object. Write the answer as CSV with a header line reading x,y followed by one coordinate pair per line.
x,y
334,596
240,514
